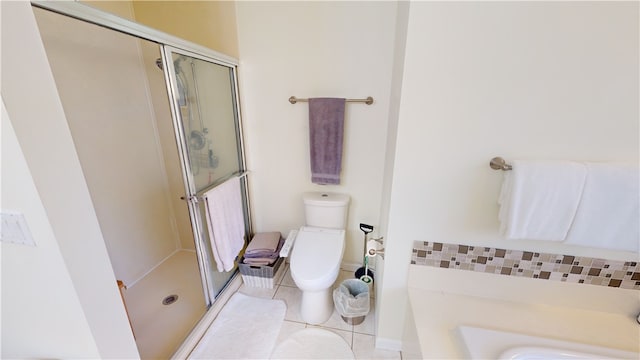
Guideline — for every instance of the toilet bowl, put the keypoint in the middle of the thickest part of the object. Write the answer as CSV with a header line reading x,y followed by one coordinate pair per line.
x,y
315,264
317,253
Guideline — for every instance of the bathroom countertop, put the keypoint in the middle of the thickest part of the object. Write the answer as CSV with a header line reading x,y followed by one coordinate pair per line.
x,y
442,300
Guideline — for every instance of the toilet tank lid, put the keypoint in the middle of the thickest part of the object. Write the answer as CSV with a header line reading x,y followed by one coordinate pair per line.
x,y
325,199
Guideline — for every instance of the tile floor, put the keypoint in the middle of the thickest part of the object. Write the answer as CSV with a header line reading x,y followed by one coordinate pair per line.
x,y
359,337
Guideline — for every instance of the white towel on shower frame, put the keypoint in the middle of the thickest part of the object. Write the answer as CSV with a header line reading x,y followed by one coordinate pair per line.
x,y
225,222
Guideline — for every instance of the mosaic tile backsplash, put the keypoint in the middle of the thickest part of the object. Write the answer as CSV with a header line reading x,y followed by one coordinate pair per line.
x,y
574,269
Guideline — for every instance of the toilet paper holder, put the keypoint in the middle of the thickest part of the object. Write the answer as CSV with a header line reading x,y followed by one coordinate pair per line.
x,y
372,247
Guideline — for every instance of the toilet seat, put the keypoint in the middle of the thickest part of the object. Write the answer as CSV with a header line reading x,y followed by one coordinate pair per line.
x,y
316,256
313,343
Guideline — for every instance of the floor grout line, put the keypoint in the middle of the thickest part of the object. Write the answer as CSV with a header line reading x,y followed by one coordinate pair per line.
x,y
353,331
364,352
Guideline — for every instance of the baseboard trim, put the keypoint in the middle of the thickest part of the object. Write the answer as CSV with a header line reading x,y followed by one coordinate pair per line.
x,y
349,266
388,344
201,328
352,266
130,284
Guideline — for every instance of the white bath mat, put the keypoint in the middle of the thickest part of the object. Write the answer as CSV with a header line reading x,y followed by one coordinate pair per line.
x,y
313,343
246,328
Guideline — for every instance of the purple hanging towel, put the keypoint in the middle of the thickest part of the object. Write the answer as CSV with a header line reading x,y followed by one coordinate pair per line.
x,y
326,130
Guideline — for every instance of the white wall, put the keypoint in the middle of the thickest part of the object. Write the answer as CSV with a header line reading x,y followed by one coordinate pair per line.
x,y
314,49
525,80
161,112
31,274
395,96
103,87
208,23
77,310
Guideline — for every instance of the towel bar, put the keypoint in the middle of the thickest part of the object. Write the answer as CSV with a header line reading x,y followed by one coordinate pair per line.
x,y
498,163
198,195
368,100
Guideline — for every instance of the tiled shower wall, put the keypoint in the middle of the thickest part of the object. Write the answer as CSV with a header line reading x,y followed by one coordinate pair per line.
x,y
545,266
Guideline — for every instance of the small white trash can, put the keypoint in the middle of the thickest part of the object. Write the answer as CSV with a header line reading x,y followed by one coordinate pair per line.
x,y
351,299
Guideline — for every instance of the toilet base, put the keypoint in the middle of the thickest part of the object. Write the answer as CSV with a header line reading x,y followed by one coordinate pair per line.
x,y
317,306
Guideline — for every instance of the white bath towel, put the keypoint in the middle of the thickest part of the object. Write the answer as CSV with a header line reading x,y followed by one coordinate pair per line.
x,y
225,222
539,199
609,213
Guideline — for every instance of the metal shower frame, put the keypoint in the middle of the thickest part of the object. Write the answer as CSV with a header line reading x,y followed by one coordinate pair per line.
x,y
170,44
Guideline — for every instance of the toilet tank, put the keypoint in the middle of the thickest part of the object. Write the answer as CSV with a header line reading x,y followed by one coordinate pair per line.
x,y
326,210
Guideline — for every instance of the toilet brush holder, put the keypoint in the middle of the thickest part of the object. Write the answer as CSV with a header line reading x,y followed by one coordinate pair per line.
x,y
364,270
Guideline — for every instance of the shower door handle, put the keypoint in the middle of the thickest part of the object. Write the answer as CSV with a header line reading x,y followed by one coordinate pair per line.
x,y
189,199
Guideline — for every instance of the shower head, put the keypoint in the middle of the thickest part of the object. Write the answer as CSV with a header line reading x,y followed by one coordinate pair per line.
x,y
176,63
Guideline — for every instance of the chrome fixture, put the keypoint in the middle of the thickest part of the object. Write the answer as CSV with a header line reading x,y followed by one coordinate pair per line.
x,y
368,100
380,252
498,163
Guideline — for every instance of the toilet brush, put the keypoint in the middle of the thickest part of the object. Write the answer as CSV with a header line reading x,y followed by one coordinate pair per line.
x,y
368,278
364,270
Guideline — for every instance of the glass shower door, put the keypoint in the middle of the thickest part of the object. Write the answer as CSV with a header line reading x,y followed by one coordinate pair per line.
x,y
209,135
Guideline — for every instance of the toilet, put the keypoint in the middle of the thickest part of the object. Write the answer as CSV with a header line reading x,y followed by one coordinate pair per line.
x,y
317,253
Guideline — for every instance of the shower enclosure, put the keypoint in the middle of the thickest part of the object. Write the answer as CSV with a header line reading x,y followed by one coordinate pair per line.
x,y
155,122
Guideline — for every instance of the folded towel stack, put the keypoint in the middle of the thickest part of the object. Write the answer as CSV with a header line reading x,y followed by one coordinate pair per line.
x,y
264,249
